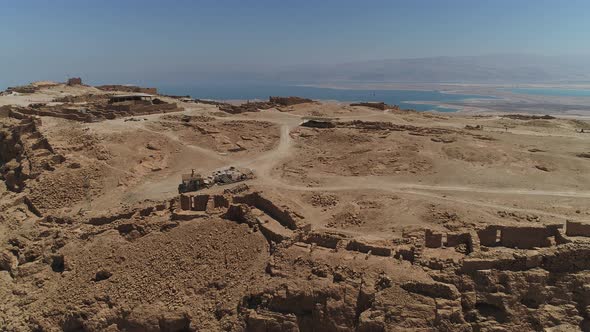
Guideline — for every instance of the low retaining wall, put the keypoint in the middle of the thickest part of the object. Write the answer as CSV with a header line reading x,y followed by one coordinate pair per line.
x,y
577,228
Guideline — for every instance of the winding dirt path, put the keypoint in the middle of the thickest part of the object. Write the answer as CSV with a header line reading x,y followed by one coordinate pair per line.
x,y
263,165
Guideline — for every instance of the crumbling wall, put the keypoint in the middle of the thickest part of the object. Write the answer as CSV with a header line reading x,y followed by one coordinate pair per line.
x,y
433,239
68,114
457,238
489,236
368,247
246,107
377,105
220,201
203,202
318,124
200,202
577,228
282,214
524,237
143,108
74,81
128,88
324,239
185,202
21,155
288,101
258,105
98,110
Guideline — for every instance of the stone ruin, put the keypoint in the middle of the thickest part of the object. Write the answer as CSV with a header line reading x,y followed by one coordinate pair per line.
x,y
258,105
377,105
94,108
577,228
320,279
289,101
74,81
318,123
24,151
127,88
503,274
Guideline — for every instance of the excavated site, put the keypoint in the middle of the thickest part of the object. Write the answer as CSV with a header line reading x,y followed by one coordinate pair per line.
x,y
358,217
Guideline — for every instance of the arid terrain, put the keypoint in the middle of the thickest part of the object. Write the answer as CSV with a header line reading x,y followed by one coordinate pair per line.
x,y
357,218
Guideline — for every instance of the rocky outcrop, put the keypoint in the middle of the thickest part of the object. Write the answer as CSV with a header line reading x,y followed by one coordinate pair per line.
x,y
432,289
24,152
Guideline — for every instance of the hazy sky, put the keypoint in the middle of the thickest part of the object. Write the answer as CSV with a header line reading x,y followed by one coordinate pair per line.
x,y
52,39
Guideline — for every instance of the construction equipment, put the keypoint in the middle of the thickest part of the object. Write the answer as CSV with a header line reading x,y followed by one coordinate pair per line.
x,y
194,181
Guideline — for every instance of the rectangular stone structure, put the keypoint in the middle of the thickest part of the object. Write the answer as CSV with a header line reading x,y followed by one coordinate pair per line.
x,y
432,240
524,237
185,202
577,228
200,202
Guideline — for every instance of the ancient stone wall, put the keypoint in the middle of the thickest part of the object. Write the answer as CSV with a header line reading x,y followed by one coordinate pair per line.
x,y
577,228
281,213
288,101
368,247
377,105
74,81
524,237
21,151
127,88
142,108
200,202
433,239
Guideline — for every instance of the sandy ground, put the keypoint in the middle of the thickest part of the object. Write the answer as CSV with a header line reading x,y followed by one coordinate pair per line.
x,y
376,184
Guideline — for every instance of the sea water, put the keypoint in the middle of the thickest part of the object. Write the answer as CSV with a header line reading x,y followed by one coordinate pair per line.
x,y
251,91
552,92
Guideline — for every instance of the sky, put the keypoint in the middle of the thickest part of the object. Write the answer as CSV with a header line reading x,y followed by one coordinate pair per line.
x,y
126,39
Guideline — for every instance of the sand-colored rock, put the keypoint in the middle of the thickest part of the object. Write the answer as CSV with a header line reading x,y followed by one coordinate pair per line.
x,y
373,220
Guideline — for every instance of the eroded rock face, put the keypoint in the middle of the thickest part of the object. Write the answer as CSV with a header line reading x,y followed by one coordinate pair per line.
x,y
24,152
140,270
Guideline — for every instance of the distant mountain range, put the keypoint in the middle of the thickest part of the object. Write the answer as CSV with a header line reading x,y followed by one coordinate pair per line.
x,y
467,69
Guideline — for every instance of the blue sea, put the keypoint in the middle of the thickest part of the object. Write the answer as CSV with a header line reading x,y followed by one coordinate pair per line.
x,y
250,91
552,92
